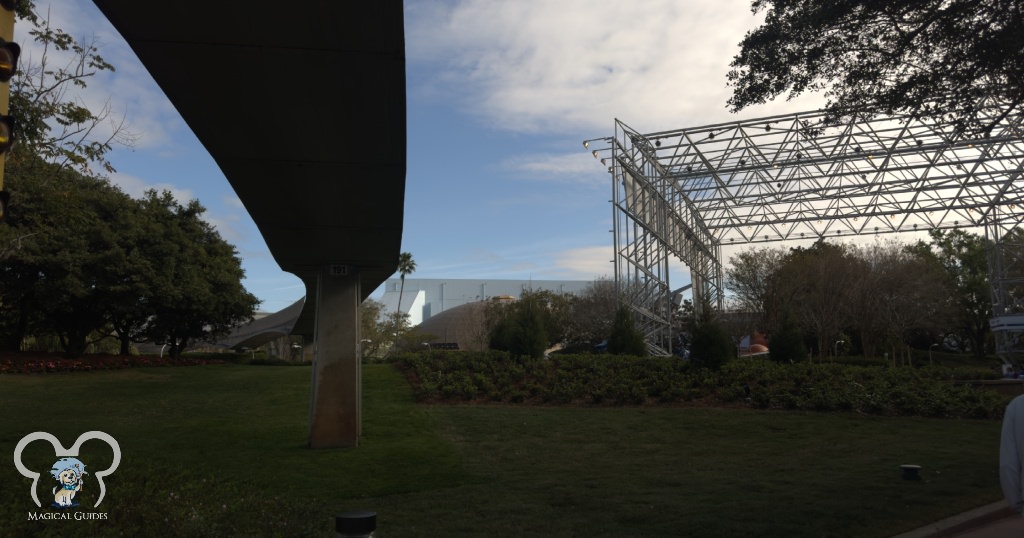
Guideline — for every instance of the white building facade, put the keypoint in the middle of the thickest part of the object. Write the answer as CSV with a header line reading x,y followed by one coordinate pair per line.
x,y
426,297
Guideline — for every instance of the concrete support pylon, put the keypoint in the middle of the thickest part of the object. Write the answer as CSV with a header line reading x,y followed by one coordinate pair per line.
x,y
335,414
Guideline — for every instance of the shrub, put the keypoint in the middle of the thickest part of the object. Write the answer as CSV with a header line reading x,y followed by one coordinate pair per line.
x,y
620,380
625,338
711,346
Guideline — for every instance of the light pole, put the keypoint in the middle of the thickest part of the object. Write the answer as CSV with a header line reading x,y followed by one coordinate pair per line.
x,y
835,349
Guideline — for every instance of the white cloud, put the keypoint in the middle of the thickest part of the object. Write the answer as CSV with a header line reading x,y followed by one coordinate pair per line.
x,y
539,66
585,263
230,226
134,102
575,167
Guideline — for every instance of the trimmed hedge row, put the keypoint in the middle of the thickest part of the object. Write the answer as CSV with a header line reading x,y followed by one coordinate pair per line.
x,y
929,391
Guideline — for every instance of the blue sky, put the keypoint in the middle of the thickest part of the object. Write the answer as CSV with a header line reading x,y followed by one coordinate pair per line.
x,y
501,95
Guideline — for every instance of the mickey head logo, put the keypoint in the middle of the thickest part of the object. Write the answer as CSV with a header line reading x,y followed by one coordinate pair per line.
x,y
60,451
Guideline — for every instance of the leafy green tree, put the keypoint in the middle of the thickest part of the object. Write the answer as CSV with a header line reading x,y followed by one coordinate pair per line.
x,y
79,258
54,126
711,345
898,291
1010,252
141,271
817,283
937,58
57,133
964,257
71,231
406,337
592,311
625,338
85,277
197,292
520,327
502,333
372,329
555,312
786,344
406,266
751,278
529,326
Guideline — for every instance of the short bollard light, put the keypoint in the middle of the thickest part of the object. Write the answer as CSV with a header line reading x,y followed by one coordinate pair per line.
x,y
355,524
911,472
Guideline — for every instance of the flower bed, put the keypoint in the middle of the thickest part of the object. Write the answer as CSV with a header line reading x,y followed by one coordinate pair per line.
x,y
44,363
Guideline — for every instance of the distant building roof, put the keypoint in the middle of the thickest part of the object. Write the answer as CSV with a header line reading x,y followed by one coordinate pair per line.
x,y
462,325
263,330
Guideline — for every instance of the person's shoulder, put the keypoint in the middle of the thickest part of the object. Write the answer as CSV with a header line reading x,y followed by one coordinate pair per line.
x,y
1016,402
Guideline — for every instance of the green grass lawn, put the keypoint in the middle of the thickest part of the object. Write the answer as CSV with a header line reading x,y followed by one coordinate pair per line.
x,y
219,450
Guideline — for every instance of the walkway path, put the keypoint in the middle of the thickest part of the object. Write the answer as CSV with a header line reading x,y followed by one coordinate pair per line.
x,y
991,521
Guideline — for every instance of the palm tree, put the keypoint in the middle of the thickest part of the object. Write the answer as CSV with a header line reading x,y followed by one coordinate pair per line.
x,y
406,266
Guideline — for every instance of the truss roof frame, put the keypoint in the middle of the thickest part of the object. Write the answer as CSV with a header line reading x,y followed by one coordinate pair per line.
x,y
794,177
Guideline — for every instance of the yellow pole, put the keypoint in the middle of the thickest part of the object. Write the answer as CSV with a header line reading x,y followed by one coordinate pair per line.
x,y
7,33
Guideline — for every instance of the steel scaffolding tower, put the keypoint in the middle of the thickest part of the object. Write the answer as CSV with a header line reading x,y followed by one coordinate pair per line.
x,y
687,193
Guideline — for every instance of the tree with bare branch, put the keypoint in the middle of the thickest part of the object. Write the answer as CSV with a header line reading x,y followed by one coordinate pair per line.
x,y
53,120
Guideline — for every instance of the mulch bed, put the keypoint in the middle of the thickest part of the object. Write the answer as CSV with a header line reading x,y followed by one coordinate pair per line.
x,y
53,363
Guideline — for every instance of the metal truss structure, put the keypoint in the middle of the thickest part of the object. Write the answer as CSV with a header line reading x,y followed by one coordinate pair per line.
x,y
687,193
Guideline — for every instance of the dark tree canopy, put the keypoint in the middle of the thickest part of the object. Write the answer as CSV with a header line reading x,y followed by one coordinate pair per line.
x,y
79,259
67,255
751,278
520,327
878,297
964,257
787,343
196,292
592,314
89,261
625,338
928,58
711,346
